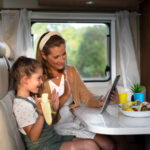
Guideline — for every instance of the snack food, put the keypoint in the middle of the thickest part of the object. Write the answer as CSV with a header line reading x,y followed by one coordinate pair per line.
x,y
46,108
136,106
127,106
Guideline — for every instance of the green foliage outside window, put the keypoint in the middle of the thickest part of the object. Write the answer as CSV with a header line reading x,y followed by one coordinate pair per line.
x,y
85,45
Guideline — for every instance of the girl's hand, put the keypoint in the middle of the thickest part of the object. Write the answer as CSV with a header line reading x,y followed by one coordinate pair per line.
x,y
114,97
55,100
38,105
67,85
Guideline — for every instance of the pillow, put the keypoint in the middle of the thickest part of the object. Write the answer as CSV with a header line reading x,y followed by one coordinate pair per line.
x,y
5,50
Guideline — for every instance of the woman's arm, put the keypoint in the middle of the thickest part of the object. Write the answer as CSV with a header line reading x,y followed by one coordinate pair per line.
x,y
88,98
67,91
64,97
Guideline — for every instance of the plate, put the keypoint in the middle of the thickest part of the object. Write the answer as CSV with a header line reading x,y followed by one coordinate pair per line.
x,y
133,121
136,113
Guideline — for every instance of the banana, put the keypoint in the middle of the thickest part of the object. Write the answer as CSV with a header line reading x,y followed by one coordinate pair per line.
x,y
126,106
46,108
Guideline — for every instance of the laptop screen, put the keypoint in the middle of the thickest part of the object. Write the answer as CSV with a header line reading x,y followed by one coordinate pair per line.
x,y
103,108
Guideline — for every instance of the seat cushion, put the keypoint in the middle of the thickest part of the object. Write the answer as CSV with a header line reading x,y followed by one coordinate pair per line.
x,y
11,139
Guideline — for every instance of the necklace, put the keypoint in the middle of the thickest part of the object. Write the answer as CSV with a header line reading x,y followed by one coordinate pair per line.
x,y
58,76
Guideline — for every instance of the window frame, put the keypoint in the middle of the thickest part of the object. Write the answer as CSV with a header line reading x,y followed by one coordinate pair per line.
x,y
109,19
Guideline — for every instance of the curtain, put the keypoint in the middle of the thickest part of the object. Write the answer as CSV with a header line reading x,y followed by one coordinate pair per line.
x,y
15,31
9,24
127,45
23,43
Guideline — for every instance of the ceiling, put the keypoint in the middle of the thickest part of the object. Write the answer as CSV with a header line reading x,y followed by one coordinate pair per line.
x,y
91,3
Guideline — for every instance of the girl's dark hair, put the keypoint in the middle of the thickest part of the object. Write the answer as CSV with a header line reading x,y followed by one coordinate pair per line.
x,y
23,66
53,41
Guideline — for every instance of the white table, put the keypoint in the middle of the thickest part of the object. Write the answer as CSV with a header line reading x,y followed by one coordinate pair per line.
x,y
112,121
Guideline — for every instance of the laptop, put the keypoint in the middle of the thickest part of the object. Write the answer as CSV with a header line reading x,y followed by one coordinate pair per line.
x,y
103,108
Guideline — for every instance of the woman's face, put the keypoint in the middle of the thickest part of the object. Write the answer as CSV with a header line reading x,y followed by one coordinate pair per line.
x,y
57,57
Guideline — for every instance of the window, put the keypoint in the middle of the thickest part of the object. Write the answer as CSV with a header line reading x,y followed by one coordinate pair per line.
x,y
87,44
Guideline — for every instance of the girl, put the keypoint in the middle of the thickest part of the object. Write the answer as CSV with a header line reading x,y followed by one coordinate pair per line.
x,y
27,74
51,52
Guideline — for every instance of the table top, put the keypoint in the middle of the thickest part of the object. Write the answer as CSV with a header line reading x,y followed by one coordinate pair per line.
x,y
112,121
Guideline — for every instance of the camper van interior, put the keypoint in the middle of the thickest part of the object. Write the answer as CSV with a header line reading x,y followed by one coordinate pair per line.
x,y
104,38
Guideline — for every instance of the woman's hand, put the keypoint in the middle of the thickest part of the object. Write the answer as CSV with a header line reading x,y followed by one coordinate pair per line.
x,y
55,100
114,97
38,105
67,85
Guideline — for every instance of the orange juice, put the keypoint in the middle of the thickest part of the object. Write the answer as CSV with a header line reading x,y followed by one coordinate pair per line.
x,y
122,98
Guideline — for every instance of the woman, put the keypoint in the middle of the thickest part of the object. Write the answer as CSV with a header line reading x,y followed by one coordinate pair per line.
x,y
65,80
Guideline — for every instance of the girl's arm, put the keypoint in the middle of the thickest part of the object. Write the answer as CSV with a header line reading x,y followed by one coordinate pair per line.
x,y
33,131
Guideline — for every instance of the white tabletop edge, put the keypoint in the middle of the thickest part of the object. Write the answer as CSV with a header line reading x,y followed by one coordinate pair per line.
x,y
108,124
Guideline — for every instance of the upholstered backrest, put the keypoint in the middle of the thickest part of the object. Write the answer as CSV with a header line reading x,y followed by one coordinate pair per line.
x,y
4,77
10,138
6,55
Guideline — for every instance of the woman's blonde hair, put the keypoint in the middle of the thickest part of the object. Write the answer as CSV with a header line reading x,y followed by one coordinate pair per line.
x,y
53,41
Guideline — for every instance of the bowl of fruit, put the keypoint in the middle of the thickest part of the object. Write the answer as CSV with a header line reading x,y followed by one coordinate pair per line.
x,y
136,109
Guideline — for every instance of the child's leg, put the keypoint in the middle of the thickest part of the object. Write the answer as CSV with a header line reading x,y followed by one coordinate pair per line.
x,y
80,144
105,142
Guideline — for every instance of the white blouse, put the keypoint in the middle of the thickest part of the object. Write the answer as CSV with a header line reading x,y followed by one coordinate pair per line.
x,y
68,123
60,88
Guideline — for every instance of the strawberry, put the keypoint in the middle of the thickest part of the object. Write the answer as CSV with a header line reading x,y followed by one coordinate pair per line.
x,y
134,109
144,108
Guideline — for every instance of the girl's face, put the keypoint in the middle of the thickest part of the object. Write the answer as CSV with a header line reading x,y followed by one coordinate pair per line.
x,y
57,57
34,82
